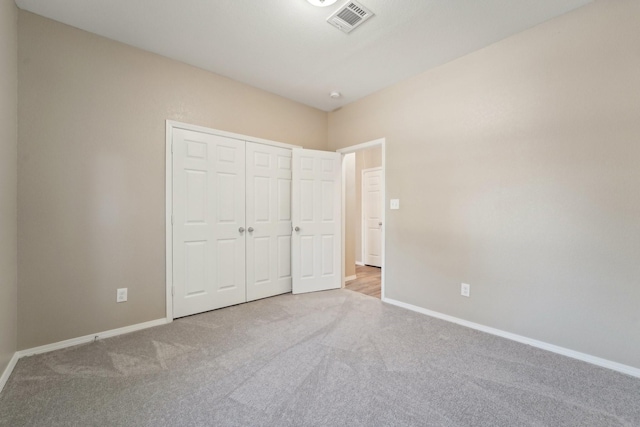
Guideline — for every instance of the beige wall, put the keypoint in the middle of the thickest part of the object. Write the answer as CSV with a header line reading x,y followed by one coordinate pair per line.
x,y
516,167
91,171
365,159
8,179
349,167
517,170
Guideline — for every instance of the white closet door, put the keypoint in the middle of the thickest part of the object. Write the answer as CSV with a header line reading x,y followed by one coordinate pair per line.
x,y
372,212
316,209
208,216
268,221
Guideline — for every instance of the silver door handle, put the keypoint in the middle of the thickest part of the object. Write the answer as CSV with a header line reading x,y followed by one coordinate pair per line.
x,y
241,229
250,229
297,228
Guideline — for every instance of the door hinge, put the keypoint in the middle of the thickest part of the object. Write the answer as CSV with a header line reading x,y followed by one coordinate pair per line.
x,y
172,290
171,219
172,148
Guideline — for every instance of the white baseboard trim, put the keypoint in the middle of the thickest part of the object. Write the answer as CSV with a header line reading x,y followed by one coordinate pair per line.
x,y
360,263
88,338
8,370
604,363
354,277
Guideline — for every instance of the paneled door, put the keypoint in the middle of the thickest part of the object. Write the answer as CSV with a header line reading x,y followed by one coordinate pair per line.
x,y
316,210
208,222
268,221
372,216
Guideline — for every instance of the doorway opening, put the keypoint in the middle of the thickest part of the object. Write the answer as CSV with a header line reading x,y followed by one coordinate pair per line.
x,y
363,217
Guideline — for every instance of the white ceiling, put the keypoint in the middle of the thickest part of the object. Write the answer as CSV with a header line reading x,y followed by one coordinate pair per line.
x,y
287,47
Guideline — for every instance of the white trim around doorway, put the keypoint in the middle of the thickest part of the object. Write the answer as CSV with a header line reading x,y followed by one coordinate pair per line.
x,y
352,149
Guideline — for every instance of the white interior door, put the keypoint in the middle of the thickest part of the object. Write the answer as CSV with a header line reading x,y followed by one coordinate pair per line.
x,y
372,216
268,221
208,222
316,207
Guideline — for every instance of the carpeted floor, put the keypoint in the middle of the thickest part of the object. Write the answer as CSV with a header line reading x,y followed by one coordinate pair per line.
x,y
334,358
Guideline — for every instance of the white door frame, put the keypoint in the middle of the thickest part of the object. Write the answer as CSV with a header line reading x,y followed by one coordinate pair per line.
x,y
352,149
170,125
363,226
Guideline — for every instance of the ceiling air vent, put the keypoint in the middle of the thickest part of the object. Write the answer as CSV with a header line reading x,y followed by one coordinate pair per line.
x,y
349,16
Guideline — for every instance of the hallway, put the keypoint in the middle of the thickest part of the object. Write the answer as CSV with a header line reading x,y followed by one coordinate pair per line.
x,y
368,281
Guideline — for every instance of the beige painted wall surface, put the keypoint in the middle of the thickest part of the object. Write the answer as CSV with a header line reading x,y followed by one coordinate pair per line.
x,y
91,171
349,167
365,159
517,172
8,179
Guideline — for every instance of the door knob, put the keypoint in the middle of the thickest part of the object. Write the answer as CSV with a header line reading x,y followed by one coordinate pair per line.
x,y
250,229
380,224
241,229
297,228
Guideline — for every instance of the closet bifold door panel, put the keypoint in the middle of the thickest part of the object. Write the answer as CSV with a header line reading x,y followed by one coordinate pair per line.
x,y
268,236
208,222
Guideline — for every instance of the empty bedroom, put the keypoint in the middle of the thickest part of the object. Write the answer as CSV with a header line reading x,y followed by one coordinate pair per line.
x,y
319,213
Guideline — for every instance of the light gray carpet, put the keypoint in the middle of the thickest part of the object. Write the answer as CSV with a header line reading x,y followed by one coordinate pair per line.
x,y
333,358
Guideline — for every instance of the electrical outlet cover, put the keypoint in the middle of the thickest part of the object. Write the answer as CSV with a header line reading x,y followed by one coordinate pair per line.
x,y
465,290
121,295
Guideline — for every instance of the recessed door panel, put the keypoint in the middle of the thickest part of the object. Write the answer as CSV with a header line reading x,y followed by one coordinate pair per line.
x,y
227,154
226,199
284,259
328,198
195,268
196,194
262,199
284,162
227,269
328,265
284,200
196,150
261,159
262,259
307,163
373,237
306,200
328,166
307,257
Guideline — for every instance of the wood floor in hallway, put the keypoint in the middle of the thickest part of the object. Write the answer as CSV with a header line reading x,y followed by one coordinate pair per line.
x,y
368,281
